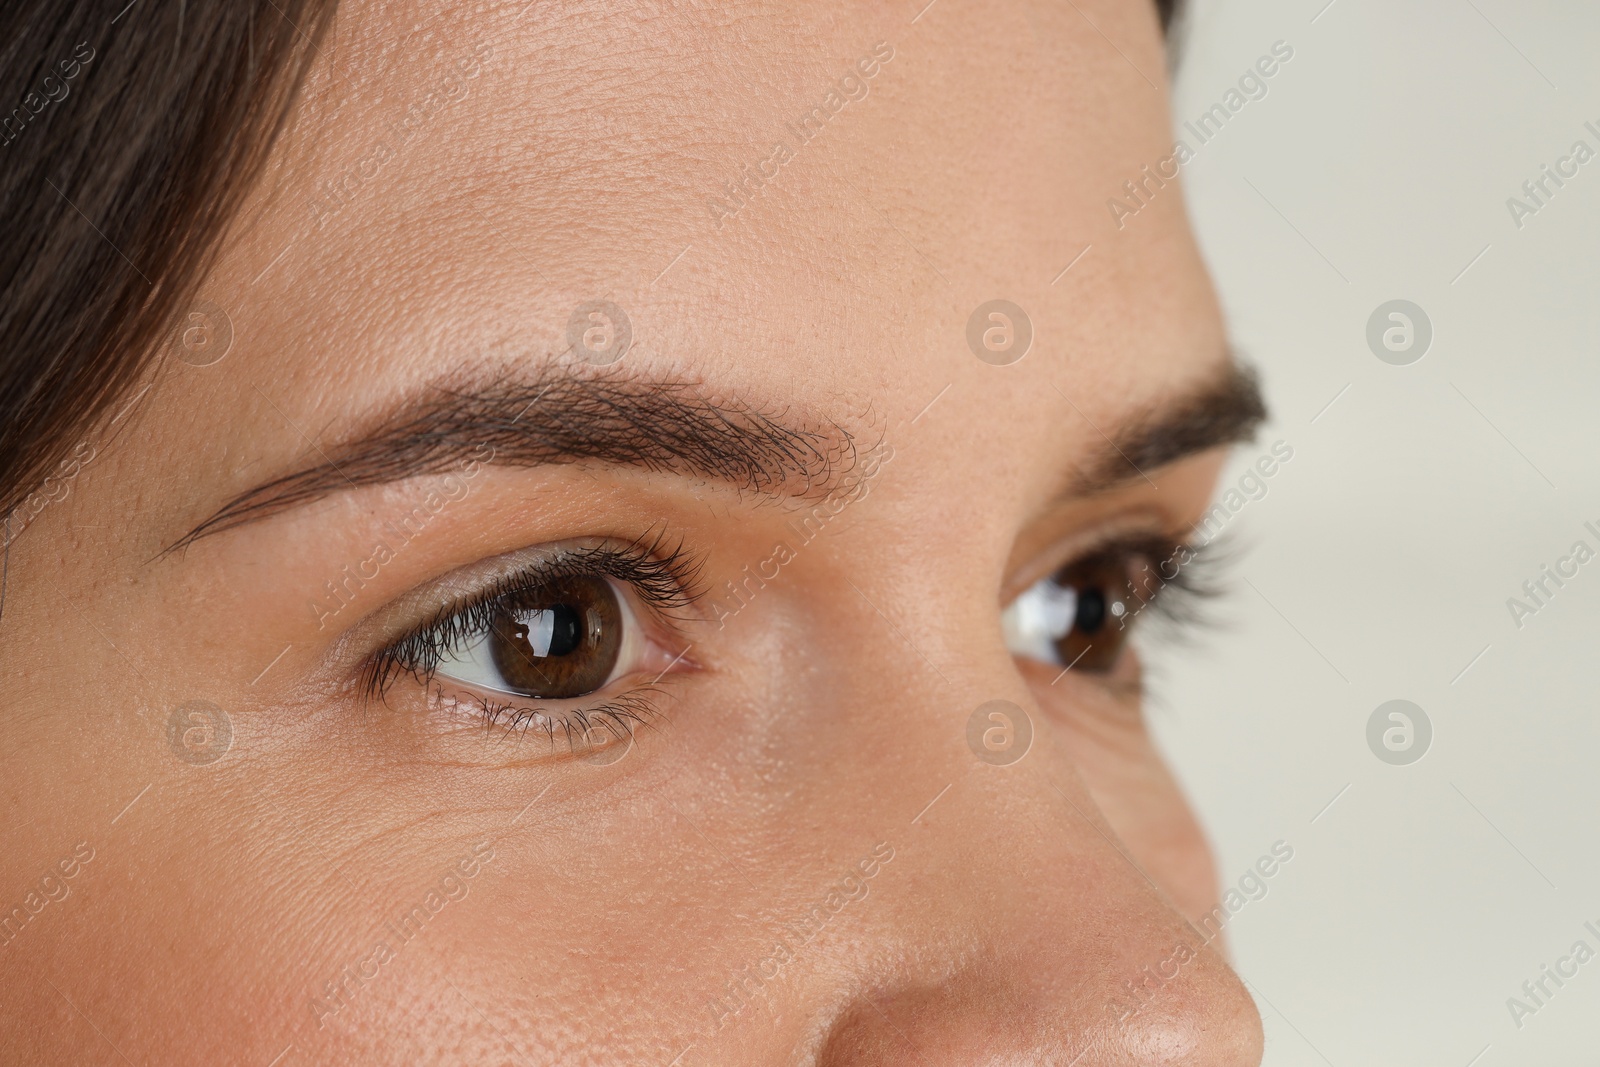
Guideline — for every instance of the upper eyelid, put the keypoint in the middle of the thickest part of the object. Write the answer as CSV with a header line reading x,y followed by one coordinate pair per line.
x,y
1133,532
433,601
599,557
414,608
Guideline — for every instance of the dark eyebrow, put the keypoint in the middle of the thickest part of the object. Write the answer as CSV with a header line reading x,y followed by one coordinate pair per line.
x,y
672,426
1226,409
563,417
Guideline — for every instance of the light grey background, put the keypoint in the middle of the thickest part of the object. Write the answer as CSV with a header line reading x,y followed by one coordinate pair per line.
x,y
1417,502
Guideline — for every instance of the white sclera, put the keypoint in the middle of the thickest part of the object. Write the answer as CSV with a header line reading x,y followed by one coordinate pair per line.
x,y
470,661
1038,618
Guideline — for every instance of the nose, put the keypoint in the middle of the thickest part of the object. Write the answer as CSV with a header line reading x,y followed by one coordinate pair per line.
x,y
1013,926
938,1026
1075,961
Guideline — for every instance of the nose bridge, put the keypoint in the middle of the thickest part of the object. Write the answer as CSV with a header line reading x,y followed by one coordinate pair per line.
x,y
1013,926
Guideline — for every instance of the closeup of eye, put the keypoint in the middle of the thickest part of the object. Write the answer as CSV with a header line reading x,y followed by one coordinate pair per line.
x,y
558,640
1080,616
559,628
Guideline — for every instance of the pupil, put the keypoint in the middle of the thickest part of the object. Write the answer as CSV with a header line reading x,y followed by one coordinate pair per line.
x,y
1103,583
565,630
1091,609
558,641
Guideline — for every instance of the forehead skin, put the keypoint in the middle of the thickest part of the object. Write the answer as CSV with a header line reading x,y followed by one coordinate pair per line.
x,y
460,177
579,162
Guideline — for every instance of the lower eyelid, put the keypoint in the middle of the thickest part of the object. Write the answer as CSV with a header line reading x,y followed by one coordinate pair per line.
x,y
572,729
627,697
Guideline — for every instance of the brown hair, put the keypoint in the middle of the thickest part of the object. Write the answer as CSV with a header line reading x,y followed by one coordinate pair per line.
x,y
127,143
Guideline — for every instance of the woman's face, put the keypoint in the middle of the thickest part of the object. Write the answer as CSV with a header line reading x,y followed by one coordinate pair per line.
x,y
592,554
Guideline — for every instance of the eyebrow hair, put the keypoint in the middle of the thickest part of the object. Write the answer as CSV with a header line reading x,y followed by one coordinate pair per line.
x,y
671,426
1226,409
560,417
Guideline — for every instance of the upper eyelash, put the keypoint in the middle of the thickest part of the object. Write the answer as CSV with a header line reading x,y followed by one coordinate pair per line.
x,y
669,578
1181,600
666,576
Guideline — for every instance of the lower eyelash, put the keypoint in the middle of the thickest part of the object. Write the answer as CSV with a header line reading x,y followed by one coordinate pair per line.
x,y
621,717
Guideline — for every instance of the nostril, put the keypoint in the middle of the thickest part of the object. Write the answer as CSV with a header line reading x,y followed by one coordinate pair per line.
x,y
924,1026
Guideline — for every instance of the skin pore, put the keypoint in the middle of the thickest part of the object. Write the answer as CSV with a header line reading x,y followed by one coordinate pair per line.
x,y
401,340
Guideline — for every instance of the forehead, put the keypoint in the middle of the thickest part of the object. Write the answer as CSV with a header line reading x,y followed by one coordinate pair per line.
x,y
800,200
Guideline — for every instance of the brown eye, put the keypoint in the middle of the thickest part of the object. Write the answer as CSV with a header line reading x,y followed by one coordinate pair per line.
x,y
1104,592
527,633
1080,616
557,640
